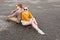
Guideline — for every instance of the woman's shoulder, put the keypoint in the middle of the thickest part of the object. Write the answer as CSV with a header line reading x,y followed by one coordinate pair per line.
x,y
29,12
22,11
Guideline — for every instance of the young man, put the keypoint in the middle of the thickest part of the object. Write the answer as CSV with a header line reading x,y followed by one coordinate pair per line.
x,y
27,19
16,14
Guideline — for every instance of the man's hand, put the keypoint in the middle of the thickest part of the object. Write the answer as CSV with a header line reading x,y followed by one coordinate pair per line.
x,y
18,21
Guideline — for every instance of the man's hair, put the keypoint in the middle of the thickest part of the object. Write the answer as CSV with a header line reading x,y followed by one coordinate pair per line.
x,y
20,5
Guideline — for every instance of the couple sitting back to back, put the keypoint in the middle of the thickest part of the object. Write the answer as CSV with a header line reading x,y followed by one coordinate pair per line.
x,y
25,17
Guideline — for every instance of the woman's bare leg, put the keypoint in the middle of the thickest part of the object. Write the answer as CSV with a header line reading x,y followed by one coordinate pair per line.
x,y
36,27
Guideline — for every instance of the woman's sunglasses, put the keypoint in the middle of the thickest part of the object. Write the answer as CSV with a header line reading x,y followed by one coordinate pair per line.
x,y
25,9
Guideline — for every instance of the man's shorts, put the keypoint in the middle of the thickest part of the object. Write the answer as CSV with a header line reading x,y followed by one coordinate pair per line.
x,y
13,19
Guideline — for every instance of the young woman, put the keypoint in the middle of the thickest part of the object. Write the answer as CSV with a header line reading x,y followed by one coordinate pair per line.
x,y
27,19
16,14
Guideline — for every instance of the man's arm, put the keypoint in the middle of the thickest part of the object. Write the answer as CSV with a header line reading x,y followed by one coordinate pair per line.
x,y
19,17
12,15
13,11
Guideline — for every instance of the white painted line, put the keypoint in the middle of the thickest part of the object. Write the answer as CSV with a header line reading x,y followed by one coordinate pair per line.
x,y
24,1
56,5
39,7
10,0
3,24
2,16
49,1
34,2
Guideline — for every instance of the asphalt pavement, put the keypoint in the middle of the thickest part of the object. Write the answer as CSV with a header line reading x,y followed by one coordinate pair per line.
x,y
46,12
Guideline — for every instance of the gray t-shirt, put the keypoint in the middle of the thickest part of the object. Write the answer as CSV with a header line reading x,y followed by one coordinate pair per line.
x,y
17,14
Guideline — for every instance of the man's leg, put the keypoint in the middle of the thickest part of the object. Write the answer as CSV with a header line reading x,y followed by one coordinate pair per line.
x,y
13,19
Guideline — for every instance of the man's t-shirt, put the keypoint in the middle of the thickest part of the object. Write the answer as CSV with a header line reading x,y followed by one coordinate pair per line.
x,y
17,14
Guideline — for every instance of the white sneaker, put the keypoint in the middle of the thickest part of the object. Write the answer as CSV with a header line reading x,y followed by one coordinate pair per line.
x,y
41,32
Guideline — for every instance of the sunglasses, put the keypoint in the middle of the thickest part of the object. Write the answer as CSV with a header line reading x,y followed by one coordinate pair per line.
x,y
25,9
